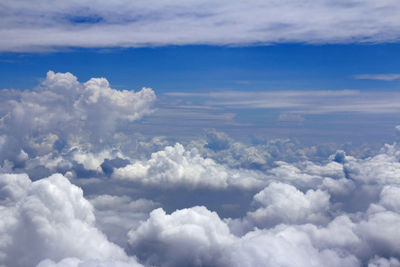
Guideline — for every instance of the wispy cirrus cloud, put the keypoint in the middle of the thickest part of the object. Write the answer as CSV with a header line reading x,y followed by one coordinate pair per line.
x,y
302,101
43,24
380,77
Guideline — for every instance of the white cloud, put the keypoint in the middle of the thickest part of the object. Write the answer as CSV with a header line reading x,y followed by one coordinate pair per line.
x,y
302,101
176,166
381,169
58,124
188,237
131,24
49,219
283,203
390,198
285,246
62,104
379,77
199,237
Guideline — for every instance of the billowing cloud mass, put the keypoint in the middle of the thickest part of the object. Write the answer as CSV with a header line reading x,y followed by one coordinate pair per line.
x,y
57,124
79,186
148,23
64,110
198,237
175,166
50,219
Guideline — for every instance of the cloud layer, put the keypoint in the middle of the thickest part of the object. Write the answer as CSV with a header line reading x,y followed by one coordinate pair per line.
x,y
80,187
143,23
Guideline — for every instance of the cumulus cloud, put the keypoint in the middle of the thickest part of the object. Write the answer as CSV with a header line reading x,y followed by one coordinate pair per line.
x,y
176,166
57,125
188,237
62,103
51,219
132,24
283,203
381,169
198,237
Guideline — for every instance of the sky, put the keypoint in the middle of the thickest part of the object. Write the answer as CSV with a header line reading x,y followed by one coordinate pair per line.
x,y
199,133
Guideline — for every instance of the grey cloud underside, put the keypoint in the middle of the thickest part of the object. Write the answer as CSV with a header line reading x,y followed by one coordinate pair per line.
x,y
80,187
147,23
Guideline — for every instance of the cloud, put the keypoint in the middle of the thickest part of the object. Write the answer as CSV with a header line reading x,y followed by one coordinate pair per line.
x,y
287,117
133,24
382,262
62,104
197,236
381,169
49,218
58,125
127,199
116,215
74,262
341,212
301,102
188,237
283,203
176,166
379,77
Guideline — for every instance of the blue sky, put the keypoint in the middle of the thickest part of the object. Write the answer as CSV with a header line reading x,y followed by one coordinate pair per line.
x,y
210,68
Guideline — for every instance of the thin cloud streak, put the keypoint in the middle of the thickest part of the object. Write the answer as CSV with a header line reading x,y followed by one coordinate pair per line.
x,y
303,102
379,77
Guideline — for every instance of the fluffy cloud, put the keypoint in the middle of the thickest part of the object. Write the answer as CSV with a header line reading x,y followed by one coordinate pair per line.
x,y
63,108
49,218
132,24
176,166
198,237
381,169
189,237
57,125
285,246
283,203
